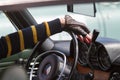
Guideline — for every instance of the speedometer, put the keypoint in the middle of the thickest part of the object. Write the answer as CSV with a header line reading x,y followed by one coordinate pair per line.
x,y
104,59
99,58
83,51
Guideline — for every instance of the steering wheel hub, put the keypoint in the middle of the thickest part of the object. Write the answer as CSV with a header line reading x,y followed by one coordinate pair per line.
x,y
47,69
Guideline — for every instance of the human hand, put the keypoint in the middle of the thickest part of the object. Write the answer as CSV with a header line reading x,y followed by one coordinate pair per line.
x,y
86,39
78,28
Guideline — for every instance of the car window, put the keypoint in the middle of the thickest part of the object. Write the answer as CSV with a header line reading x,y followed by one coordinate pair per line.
x,y
6,26
48,13
110,18
106,21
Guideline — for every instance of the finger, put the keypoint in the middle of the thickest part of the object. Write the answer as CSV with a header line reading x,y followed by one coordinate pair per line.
x,y
80,38
89,37
81,31
78,30
84,27
87,40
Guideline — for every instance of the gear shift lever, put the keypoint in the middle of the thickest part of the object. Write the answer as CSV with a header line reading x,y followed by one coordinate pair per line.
x,y
95,35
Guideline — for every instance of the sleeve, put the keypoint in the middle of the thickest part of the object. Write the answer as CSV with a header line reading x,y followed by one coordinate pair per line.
x,y
28,37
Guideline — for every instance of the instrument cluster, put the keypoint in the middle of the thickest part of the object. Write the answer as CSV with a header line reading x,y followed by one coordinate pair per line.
x,y
94,55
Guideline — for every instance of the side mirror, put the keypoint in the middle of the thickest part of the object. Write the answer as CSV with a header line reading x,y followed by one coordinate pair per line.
x,y
88,9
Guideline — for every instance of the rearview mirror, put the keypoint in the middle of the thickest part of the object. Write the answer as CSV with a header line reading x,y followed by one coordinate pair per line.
x,y
88,9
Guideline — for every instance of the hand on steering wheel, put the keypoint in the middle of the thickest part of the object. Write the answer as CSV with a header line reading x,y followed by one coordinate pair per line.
x,y
86,39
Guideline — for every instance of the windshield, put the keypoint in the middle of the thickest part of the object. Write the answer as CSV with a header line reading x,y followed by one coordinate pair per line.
x,y
106,20
52,12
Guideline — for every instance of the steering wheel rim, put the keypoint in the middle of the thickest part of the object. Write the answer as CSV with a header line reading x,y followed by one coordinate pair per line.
x,y
75,44
76,53
49,53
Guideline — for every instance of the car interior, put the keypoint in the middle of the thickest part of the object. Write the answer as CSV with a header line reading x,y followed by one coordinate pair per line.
x,y
63,56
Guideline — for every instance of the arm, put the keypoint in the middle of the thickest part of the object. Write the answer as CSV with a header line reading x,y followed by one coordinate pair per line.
x,y
28,37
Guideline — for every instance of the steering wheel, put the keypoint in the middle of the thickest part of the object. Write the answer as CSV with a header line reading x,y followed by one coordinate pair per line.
x,y
50,61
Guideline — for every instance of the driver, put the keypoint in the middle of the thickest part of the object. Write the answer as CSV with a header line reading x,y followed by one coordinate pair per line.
x,y
28,37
